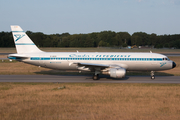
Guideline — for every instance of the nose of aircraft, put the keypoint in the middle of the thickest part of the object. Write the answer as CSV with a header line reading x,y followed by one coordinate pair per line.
x,y
173,65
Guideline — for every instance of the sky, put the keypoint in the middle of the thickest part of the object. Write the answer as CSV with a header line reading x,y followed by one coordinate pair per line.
x,y
87,16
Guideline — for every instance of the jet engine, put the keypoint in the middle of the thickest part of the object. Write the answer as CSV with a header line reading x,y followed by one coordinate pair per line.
x,y
117,72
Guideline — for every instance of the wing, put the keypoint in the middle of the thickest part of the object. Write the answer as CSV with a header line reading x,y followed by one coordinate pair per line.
x,y
94,67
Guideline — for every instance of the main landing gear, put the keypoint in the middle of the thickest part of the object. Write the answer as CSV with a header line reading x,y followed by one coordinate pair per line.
x,y
96,75
152,75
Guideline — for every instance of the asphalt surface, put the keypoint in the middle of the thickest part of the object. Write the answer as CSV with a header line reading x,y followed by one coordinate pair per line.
x,y
172,54
5,53
4,59
87,79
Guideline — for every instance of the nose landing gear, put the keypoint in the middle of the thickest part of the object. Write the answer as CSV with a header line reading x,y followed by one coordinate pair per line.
x,y
152,75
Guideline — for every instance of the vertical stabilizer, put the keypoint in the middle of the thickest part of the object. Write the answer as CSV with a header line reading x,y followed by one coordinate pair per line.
x,y
22,42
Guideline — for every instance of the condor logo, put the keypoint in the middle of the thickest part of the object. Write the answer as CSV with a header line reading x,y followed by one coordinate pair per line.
x,y
162,64
18,36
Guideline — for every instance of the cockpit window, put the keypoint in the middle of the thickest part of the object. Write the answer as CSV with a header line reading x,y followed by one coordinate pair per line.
x,y
166,59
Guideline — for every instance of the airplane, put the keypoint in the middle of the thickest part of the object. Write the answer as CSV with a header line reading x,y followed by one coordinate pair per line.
x,y
114,64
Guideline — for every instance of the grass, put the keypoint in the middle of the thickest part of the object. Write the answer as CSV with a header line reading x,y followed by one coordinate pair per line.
x,y
19,68
13,50
3,56
89,101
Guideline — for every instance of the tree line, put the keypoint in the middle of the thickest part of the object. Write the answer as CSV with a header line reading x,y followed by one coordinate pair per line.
x,y
96,39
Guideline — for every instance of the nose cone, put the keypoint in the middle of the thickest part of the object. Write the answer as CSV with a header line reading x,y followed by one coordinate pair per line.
x,y
173,65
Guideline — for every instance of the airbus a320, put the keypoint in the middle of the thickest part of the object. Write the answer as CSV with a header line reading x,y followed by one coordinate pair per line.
x,y
114,64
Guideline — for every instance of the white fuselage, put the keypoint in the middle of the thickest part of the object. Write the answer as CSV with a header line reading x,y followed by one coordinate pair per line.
x,y
129,61
114,64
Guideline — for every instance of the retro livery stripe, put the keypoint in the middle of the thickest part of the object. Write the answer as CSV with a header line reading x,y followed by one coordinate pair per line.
x,y
100,59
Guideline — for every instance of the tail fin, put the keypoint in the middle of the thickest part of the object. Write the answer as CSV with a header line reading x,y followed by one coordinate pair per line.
x,y
22,42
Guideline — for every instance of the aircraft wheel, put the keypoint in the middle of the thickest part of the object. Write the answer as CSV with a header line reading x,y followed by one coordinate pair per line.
x,y
96,77
153,77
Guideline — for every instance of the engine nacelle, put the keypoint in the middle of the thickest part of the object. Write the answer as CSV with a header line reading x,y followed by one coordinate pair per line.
x,y
117,72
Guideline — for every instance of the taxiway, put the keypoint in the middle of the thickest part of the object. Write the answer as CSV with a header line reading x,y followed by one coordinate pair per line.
x,y
87,79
